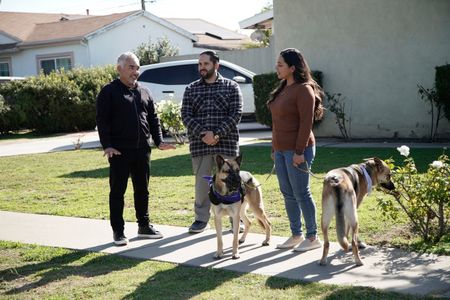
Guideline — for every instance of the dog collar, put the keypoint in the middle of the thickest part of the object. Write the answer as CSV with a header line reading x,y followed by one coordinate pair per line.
x,y
368,179
217,198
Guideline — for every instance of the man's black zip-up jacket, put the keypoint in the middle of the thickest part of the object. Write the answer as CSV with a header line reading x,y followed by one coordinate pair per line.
x,y
126,117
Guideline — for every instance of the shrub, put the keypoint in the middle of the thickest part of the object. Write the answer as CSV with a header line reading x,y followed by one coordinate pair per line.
x,y
150,53
436,107
263,85
59,102
50,102
424,198
169,113
442,84
336,104
12,114
89,82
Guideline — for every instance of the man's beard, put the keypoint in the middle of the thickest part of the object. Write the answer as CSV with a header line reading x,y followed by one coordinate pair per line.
x,y
209,74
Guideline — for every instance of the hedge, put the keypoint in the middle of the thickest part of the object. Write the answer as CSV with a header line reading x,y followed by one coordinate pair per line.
x,y
442,83
62,101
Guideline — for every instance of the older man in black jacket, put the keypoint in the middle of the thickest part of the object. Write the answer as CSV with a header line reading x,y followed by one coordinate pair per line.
x,y
126,118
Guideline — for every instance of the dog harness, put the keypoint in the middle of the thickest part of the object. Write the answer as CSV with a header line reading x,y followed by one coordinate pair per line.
x,y
217,198
368,179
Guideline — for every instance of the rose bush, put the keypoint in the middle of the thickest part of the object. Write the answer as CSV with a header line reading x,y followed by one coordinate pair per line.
x,y
169,113
424,198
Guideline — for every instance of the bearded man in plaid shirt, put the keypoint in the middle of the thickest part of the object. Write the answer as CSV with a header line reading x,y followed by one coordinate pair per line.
x,y
211,111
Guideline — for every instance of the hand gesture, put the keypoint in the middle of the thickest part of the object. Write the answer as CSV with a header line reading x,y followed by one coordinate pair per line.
x,y
165,146
109,152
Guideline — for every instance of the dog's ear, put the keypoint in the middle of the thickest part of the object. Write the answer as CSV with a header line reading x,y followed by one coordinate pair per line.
x,y
220,161
239,159
378,164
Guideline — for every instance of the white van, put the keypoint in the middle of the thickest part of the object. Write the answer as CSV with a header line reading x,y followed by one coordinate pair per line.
x,y
168,80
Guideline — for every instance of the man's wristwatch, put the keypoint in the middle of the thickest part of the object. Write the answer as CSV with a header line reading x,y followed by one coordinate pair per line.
x,y
216,137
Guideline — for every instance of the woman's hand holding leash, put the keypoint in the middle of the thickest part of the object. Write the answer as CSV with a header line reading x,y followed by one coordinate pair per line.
x,y
298,159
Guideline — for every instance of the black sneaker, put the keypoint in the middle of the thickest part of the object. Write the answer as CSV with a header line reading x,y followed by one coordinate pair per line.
x,y
120,239
149,232
241,225
198,226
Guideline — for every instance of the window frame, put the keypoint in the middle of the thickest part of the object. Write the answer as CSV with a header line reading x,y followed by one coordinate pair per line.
x,y
54,57
8,61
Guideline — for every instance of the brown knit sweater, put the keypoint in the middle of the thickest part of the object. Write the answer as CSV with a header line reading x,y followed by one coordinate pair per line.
x,y
292,118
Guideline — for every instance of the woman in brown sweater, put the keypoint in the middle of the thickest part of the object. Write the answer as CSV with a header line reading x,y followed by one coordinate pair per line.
x,y
294,106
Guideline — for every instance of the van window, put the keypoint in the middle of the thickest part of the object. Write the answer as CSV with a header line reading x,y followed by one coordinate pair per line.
x,y
230,73
171,75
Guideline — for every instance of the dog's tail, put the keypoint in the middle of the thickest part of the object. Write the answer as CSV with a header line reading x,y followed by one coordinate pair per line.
x,y
334,180
340,219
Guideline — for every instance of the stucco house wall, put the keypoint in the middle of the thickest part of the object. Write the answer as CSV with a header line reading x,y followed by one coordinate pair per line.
x,y
374,52
24,63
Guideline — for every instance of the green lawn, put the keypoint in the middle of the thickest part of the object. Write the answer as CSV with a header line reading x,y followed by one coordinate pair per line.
x,y
36,272
75,183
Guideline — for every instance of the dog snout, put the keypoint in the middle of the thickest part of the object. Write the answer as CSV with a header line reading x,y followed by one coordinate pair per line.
x,y
388,185
233,181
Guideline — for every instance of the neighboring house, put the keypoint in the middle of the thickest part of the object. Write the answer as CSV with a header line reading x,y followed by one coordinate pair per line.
x,y
212,36
31,42
375,53
262,20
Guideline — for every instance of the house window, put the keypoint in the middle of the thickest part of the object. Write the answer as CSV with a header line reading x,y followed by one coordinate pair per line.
x,y
55,62
4,68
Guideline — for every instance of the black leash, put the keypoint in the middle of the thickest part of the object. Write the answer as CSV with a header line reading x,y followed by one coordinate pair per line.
x,y
257,186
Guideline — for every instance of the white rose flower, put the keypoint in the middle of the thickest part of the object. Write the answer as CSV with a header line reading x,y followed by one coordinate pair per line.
x,y
404,150
437,164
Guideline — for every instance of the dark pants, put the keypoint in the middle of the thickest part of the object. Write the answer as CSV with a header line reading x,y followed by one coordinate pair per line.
x,y
137,163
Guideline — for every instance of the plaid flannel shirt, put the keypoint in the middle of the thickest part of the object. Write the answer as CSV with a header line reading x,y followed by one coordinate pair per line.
x,y
213,107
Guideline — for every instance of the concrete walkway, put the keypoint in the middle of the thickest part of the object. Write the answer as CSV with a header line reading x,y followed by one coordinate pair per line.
x,y
250,133
388,269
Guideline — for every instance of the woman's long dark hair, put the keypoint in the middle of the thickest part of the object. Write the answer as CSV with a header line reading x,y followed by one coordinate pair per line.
x,y
302,74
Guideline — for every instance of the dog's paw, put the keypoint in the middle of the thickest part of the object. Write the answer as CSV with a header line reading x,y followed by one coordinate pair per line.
x,y
359,263
323,262
362,245
235,256
241,241
218,256
265,243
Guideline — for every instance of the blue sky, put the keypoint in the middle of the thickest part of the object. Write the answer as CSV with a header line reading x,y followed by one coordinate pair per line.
x,y
226,13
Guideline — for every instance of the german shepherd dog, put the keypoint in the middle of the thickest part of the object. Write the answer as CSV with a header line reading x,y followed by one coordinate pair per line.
x,y
343,191
231,192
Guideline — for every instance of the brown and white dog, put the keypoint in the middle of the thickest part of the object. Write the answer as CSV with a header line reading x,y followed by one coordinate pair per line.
x,y
343,191
231,192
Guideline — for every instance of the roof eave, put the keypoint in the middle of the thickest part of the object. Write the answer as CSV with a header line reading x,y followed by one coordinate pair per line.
x,y
34,44
9,50
257,21
138,14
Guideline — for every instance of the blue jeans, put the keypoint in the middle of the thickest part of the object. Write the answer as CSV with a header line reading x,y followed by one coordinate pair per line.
x,y
294,185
